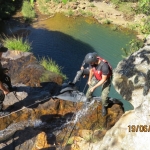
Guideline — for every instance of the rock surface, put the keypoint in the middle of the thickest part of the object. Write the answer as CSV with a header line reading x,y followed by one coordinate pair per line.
x,y
38,121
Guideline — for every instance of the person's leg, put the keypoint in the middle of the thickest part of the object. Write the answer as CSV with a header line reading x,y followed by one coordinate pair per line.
x,y
2,97
104,95
7,81
88,93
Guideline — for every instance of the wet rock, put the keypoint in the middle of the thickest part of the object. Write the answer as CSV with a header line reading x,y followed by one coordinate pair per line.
x,y
91,119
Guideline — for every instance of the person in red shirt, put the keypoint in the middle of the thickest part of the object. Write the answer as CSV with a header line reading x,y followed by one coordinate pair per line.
x,y
100,74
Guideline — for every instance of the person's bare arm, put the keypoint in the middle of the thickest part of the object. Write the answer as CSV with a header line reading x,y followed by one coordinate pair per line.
x,y
90,76
104,78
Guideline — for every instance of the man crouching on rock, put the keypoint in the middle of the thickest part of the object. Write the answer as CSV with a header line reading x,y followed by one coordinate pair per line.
x,y
100,75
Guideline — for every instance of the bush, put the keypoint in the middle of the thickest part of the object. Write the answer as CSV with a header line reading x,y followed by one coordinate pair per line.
x,y
133,46
8,8
144,7
51,65
28,11
147,26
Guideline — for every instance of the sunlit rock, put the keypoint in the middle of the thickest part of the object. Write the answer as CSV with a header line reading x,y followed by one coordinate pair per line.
x,y
41,142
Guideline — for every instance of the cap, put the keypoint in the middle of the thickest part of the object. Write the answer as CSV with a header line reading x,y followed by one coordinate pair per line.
x,y
2,48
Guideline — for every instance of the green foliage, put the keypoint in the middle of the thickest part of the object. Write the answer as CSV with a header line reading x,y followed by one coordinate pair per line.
x,y
144,6
32,2
120,1
89,14
28,11
42,7
57,1
14,43
107,21
46,1
124,6
51,65
145,28
133,46
64,1
70,141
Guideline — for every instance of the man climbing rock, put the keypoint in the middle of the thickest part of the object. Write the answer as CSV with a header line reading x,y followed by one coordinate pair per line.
x,y
100,74
5,82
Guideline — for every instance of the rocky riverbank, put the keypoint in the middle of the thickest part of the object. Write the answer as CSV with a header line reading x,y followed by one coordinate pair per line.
x,y
104,13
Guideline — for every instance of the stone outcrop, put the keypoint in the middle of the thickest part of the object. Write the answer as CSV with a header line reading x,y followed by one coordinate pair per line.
x,y
24,68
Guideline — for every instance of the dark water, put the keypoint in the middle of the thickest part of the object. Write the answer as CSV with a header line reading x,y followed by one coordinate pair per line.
x,y
68,40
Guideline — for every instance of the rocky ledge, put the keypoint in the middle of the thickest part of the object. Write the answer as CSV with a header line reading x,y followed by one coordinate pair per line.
x,y
37,120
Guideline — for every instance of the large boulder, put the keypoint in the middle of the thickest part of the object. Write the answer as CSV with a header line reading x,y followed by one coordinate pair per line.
x,y
25,68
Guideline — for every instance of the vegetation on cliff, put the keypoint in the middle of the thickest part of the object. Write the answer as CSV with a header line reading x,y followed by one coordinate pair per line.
x,y
52,66
17,43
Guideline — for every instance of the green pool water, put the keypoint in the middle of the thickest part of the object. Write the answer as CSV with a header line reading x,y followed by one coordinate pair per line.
x,y
77,37
67,40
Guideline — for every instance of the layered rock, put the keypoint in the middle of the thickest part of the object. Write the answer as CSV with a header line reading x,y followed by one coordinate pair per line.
x,y
24,68
38,121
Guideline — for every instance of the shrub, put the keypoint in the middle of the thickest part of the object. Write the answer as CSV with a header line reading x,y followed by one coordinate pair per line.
x,y
145,28
14,43
144,6
51,65
133,46
28,11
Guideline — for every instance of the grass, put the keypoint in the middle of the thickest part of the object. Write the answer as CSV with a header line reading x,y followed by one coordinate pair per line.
x,y
51,65
19,44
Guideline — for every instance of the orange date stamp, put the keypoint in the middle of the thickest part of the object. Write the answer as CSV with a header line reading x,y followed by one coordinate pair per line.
x,y
139,128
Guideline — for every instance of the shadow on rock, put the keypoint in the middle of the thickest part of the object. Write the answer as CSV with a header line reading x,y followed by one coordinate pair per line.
x,y
30,97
